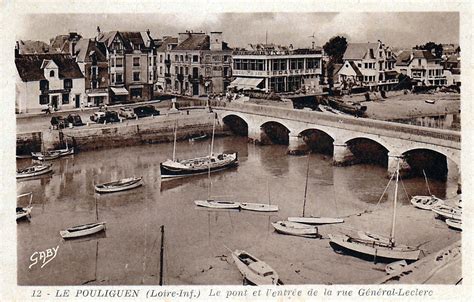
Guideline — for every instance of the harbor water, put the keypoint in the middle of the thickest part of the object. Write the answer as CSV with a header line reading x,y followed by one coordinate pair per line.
x,y
196,240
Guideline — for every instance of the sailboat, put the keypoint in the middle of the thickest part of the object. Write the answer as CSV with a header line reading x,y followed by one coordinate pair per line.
x,y
174,168
35,170
53,154
426,202
211,203
23,212
84,229
377,248
312,220
254,270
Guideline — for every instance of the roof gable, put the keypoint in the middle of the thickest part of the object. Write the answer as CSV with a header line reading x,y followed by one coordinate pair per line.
x,y
31,67
359,51
195,42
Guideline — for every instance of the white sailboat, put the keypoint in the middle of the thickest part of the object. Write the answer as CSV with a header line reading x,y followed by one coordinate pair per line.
x,y
312,219
426,202
254,270
377,248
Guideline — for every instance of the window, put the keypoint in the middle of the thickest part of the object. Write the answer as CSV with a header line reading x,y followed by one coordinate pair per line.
x,y
67,83
312,63
176,58
161,58
51,73
43,99
176,70
136,61
186,70
237,64
260,65
118,62
161,70
119,78
94,71
182,58
196,72
44,85
65,98
136,76
136,93
226,71
195,58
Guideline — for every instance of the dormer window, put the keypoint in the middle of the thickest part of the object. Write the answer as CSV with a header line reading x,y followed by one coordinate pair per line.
x,y
51,73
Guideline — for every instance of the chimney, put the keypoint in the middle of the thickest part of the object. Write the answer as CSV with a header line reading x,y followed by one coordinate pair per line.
x,y
17,49
215,41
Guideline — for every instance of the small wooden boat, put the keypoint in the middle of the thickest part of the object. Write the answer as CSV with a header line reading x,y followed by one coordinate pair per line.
x,y
254,270
445,211
217,204
34,170
426,202
197,138
48,155
396,267
23,156
23,212
83,230
430,101
258,207
454,223
316,220
295,229
119,185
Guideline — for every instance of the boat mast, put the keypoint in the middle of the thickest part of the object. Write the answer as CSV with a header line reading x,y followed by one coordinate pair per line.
x,y
392,232
209,174
213,131
161,253
427,184
174,142
96,210
306,185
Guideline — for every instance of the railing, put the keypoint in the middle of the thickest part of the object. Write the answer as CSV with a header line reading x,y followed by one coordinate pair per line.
x,y
402,131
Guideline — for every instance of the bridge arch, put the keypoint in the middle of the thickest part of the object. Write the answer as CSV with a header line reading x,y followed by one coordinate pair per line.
x,y
274,132
236,123
434,163
366,149
318,140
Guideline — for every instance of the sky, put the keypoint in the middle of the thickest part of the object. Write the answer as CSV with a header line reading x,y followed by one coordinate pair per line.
x,y
403,30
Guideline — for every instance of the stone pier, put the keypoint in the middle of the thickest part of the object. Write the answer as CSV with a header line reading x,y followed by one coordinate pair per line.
x,y
255,135
393,160
342,155
297,145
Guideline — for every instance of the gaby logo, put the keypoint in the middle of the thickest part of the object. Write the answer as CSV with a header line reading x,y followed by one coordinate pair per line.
x,y
44,256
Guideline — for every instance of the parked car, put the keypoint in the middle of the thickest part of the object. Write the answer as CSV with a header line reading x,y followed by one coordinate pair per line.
x,y
74,119
143,111
127,112
105,116
58,122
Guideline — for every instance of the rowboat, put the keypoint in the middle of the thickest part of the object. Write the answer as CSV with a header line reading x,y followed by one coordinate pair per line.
x,y
23,212
119,185
445,211
295,229
23,156
454,223
197,138
316,220
254,270
83,230
34,170
426,202
217,204
258,207
48,155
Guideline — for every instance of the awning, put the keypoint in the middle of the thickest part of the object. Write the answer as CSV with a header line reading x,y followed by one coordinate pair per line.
x,y
391,72
96,93
119,90
242,83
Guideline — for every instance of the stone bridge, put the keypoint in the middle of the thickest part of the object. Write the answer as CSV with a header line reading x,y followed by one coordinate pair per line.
x,y
398,139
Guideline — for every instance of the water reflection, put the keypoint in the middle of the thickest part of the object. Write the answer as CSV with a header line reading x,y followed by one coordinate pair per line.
x,y
445,121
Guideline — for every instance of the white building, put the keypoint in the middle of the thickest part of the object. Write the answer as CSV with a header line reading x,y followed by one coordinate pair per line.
x,y
44,80
369,65
275,68
422,66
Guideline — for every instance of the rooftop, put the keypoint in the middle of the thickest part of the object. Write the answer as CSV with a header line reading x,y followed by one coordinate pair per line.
x,y
276,50
30,66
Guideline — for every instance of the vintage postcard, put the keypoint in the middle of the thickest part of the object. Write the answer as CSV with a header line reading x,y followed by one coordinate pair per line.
x,y
189,150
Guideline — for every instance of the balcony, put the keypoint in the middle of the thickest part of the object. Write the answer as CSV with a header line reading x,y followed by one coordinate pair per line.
x,y
167,62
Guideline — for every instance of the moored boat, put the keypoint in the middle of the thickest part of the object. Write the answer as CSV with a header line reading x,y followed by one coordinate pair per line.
x,y
23,212
34,170
217,204
426,202
254,270
454,223
195,166
295,229
119,185
82,230
316,220
258,207
198,138
445,211
48,155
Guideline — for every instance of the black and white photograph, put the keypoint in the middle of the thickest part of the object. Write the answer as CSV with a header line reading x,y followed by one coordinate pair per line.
x,y
202,147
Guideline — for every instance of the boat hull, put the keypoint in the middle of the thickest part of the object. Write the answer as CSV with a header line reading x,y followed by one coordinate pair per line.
x,y
168,171
295,229
372,250
40,170
447,212
250,270
316,220
108,188
23,213
216,204
258,207
454,223
83,230
426,202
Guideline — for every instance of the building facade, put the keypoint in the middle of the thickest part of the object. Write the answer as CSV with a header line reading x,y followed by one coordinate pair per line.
x,y
163,63
275,68
370,65
131,60
422,66
43,80
195,64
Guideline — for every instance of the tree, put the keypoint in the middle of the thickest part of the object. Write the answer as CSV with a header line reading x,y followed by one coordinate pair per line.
x,y
432,47
335,48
